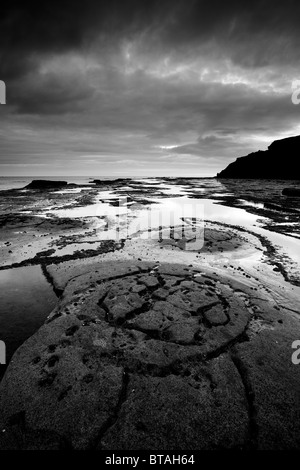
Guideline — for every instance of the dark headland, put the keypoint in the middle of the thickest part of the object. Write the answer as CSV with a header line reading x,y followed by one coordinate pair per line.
x,y
279,161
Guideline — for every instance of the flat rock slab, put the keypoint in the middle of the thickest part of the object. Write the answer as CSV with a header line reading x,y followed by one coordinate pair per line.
x,y
149,356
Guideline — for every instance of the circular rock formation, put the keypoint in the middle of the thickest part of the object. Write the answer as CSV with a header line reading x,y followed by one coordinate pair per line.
x,y
134,357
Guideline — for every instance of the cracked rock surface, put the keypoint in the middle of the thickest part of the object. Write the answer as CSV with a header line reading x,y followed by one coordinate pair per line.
x,y
142,355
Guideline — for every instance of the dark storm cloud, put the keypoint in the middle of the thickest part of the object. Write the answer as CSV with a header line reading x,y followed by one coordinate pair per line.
x,y
34,27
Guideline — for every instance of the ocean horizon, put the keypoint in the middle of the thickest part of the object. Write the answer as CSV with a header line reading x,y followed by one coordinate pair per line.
x,y
17,182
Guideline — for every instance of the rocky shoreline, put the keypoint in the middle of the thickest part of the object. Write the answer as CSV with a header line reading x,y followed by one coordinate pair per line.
x,y
155,344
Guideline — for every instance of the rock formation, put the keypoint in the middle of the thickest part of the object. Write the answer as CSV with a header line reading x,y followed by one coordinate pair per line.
x,y
280,161
46,184
292,192
144,356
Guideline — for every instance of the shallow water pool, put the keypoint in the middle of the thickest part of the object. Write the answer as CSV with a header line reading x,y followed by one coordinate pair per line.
x,y
26,299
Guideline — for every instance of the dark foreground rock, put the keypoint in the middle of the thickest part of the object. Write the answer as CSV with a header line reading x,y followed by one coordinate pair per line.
x,y
280,161
145,356
46,184
292,192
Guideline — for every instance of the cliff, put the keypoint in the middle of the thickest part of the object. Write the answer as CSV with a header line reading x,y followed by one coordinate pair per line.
x,y
280,161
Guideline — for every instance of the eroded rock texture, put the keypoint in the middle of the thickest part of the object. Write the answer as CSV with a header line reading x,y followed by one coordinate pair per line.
x,y
145,356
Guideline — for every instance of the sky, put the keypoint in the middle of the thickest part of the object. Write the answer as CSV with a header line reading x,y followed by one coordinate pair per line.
x,y
144,87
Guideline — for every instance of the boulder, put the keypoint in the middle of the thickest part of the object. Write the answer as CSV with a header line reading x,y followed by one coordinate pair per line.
x,y
292,192
46,184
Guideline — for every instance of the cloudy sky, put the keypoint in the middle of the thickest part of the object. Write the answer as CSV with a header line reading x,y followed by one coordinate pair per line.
x,y
144,87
